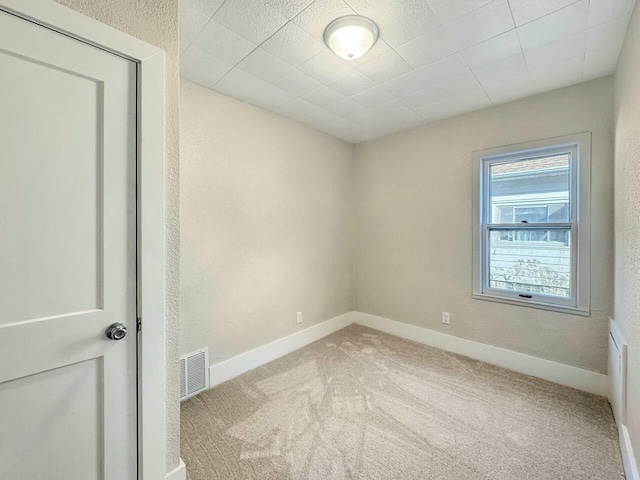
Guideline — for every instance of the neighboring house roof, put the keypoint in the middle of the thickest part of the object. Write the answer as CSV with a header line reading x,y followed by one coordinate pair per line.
x,y
530,166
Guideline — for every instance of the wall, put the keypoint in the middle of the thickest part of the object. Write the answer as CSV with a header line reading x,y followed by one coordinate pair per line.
x,y
266,224
414,225
627,209
157,24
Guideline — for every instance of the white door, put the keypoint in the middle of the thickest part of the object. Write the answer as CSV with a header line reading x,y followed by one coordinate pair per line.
x,y
67,258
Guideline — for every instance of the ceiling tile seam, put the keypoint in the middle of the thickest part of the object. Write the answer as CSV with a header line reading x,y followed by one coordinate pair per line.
x,y
476,77
519,41
263,42
547,14
202,28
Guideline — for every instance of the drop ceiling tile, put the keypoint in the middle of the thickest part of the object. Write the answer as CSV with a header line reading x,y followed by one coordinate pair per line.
x,y
481,24
296,83
442,70
344,107
598,63
240,84
385,67
456,86
399,21
503,69
273,97
322,117
323,96
525,11
566,47
289,8
297,108
319,14
264,65
371,97
493,50
447,10
561,73
206,7
428,48
325,66
601,11
253,19
222,43
342,128
407,83
293,45
555,26
351,83
455,105
608,36
396,124
501,90
202,68
392,108
191,22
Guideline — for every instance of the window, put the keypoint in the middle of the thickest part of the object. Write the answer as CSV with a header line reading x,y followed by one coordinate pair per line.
x,y
531,232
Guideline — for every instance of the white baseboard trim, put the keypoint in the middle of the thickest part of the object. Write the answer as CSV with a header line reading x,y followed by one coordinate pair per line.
x,y
178,473
628,457
574,377
231,368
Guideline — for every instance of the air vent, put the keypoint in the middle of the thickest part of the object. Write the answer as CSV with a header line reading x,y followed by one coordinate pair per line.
x,y
194,373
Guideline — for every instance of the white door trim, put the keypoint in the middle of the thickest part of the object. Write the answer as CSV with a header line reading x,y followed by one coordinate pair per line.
x,y
151,180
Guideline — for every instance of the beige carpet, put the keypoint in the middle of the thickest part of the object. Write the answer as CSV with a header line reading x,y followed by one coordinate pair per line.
x,y
361,404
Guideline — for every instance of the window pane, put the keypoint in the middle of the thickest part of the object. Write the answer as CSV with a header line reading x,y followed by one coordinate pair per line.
x,y
532,190
531,261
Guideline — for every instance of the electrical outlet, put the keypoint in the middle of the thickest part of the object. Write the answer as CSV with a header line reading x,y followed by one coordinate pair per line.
x,y
299,317
446,318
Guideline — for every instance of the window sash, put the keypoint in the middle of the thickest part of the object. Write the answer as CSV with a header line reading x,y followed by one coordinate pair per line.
x,y
489,161
535,298
574,213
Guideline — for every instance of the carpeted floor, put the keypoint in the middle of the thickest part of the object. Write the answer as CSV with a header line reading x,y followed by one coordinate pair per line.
x,y
361,404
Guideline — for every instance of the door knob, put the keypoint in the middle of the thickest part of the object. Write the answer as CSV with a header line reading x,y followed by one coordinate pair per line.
x,y
117,331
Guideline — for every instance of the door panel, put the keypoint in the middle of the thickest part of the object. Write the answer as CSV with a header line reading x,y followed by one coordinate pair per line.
x,y
67,257
63,410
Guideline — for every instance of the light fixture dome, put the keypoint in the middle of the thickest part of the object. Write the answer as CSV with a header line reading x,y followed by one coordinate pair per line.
x,y
350,37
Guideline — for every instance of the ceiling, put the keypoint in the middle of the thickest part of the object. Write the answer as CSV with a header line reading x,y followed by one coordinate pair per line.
x,y
434,58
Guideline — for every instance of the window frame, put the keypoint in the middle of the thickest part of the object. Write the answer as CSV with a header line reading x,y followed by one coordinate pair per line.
x,y
579,223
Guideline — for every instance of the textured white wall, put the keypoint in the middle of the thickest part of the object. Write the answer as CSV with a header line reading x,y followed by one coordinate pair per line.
x,y
627,213
414,217
266,224
157,24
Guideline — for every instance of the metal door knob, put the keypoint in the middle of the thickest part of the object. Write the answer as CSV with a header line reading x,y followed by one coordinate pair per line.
x,y
117,331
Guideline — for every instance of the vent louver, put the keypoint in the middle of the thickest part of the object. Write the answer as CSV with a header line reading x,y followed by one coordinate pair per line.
x,y
194,374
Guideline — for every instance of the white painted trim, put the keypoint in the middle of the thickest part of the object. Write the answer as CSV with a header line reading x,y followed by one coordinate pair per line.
x,y
178,473
581,219
628,456
151,237
231,368
574,377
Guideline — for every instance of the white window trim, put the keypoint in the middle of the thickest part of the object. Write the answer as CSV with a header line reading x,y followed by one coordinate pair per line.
x,y
150,61
580,225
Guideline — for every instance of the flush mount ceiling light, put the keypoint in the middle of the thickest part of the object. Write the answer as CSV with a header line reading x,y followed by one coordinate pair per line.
x,y
350,37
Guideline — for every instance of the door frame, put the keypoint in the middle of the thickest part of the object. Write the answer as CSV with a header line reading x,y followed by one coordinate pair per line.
x,y
150,158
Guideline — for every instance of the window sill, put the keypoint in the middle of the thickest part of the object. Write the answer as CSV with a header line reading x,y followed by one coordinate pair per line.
x,y
537,305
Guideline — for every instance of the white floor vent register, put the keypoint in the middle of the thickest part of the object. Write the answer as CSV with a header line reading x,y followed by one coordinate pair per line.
x,y
194,373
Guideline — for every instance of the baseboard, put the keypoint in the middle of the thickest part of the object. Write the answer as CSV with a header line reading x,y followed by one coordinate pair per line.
x,y
228,369
574,377
178,473
628,457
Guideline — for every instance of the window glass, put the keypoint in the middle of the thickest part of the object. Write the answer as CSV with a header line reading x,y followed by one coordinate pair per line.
x,y
536,261
534,190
